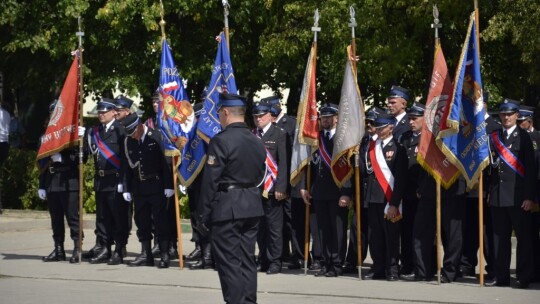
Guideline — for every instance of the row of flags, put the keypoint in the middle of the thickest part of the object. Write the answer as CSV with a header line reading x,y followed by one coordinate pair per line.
x,y
453,139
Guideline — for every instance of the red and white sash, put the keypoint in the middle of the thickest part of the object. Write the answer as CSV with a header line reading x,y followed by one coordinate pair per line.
x,y
325,155
271,174
506,155
383,174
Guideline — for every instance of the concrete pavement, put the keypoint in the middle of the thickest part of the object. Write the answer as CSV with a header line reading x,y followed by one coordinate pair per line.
x,y
26,236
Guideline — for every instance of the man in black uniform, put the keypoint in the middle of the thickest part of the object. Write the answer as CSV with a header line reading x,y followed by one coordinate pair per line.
x,y
275,188
511,196
104,142
329,202
232,200
123,107
525,119
148,178
397,104
386,166
410,140
59,185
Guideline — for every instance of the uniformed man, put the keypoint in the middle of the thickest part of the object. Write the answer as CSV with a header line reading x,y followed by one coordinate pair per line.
x,y
59,185
148,179
275,187
397,105
104,142
525,119
151,121
386,165
511,196
232,200
329,202
123,107
410,140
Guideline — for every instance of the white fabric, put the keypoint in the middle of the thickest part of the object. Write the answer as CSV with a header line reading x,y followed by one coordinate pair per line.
x,y
42,194
81,131
5,120
120,188
399,117
182,188
127,196
509,131
387,173
56,158
169,192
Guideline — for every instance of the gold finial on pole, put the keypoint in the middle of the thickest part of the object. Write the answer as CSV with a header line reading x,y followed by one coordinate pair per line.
x,y
162,22
226,7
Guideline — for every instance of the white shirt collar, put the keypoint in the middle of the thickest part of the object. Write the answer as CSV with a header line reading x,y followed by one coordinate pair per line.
x,y
108,125
510,130
400,117
386,141
332,132
265,129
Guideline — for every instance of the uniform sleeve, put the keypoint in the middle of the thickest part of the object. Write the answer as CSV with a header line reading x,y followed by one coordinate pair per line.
x,y
128,174
213,169
530,172
400,175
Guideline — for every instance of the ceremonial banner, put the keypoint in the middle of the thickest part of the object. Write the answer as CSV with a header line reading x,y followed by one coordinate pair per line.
x,y
465,142
193,158
350,128
175,116
222,81
429,156
62,130
307,126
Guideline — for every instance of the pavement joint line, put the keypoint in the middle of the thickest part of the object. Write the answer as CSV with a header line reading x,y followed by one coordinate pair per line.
x,y
2,276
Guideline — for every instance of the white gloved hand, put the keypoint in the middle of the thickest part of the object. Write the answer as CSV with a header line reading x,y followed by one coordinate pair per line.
x,y
42,194
81,131
182,189
127,196
57,157
120,188
169,192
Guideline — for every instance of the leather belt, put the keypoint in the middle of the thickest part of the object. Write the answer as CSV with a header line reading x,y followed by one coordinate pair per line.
x,y
143,177
225,187
102,173
54,170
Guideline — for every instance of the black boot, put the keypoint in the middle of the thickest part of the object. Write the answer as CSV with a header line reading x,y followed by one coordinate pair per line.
x,y
116,258
58,254
103,256
75,255
196,253
164,253
173,251
155,250
145,258
94,251
206,261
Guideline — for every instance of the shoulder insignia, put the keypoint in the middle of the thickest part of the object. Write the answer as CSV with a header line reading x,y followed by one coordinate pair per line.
x,y
112,127
211,160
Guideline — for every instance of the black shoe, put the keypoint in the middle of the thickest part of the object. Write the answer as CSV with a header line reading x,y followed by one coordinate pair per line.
x,y
155,250
315,265
321,272
102,257
124,251
195,254
522,284
58,254
373,276
445,279
75,256
334,272
296,264
116,259
142,260
349,268
392,278
409,277
468,272
493,283
164,253
202,264
262,268
273,269
92,252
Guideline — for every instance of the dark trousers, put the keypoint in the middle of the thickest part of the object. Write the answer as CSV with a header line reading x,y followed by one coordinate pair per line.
x,y
193,195
504,219
352,252
407,224
469,253
452,238
4,153
287,227
233,245
332,221
270,239
64,204
172,232
383,241
298,227
536,244
148,208
112,218
316,243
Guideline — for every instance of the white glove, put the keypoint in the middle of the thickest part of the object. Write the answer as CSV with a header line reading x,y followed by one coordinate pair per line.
x,y
81,131
120,188
182,189
169,192
57,157
42,194
127,196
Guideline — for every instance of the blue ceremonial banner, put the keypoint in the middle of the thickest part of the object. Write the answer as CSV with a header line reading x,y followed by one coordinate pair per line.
x,y
462,136
175,116
193,158
222,81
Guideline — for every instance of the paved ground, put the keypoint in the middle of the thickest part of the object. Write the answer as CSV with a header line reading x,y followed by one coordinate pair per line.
x,y
25,237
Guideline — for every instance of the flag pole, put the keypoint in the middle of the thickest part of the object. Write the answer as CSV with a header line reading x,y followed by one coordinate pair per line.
x,y
315,29
481,177
80,34
174,167
352,25
439,253
226,7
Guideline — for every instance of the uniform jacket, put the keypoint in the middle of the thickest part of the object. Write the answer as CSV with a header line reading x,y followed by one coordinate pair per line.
x,y
401,127
61,176
147,169
235,157
114,138
506,187
410,142
275,141
396,159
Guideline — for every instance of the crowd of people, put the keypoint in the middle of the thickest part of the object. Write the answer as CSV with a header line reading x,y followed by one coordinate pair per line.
x,y
243,198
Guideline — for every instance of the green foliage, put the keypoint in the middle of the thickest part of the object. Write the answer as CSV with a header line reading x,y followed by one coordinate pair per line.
x,y
20,181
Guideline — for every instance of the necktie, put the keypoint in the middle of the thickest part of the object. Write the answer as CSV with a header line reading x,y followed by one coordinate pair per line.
x,y
327,136
260,132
